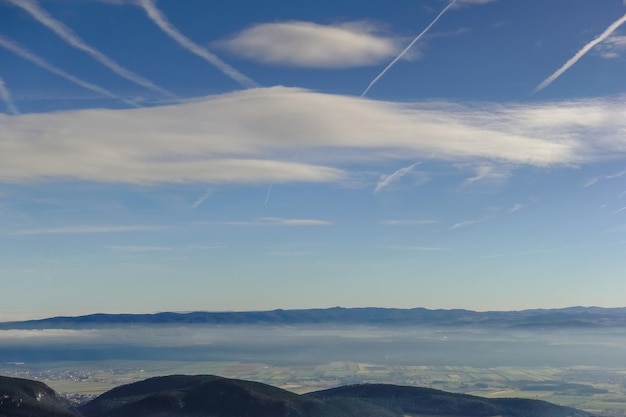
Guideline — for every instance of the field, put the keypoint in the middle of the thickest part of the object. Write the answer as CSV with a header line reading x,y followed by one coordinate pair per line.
x,y
580,368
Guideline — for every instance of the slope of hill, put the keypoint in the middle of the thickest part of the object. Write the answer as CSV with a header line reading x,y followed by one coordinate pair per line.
x,y
579,317
26,398
431,402
208,395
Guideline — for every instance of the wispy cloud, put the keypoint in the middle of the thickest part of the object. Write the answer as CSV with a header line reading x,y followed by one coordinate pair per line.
x,y
139,249
466,223
526,253
37,60
409,46
580,54
207,247
247,137
618,211
5,95
307,44
65,33
166,26
594,180
461,3
408,222
616,175
386,180
417,248
267,196
86,229
204,197
46,334
277,221
612,47
488,173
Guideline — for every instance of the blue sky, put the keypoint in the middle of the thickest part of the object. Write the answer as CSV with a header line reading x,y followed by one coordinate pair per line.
x,y
167,155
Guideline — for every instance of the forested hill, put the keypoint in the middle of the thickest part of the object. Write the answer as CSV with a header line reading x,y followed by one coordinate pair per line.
x,y
208,395
582,317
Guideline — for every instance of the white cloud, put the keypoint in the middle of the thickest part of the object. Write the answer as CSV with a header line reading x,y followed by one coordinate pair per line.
x,y
386,180
488,173
460,3
408,47
408,222
466,223
19,50
594,180
136,249
612,47
418,248
45,334
159,19
85,229
249,137
71,38
204,197
307,44
277,221
582,52
5,95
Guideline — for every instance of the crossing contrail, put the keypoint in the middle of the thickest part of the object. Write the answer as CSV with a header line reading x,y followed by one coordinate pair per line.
x,y
74,40
166,26
37,60
6,97
405,50
580,54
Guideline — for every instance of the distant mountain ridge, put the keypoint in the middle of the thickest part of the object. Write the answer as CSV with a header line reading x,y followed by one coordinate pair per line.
x,y
214,396
582,317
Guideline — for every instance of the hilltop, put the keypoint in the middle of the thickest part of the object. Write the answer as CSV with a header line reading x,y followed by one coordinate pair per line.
x,y
26,398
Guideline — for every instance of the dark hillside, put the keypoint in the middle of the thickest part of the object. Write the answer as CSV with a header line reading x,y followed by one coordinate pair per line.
x,y
213,396
26,398
431,402
205,395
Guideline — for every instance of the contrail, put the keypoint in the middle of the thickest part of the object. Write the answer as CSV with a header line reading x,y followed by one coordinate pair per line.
x,y
71,38
6,97
166,26
37,60
417,38
581,53
269,191
204,197
388,179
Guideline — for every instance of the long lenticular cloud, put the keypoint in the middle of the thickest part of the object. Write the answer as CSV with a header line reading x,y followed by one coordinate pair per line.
x,y
166,26
74,40
581,53
6,97
37,60
405,50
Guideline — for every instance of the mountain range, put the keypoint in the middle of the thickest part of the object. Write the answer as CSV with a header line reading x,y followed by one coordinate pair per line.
x,y
577,317
214,396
